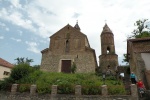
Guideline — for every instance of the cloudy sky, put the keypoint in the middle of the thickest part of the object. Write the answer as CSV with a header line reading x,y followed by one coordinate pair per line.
x,y
26,25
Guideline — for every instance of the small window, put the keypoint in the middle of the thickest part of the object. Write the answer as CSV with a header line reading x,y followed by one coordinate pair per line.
x,y
6,73
108,50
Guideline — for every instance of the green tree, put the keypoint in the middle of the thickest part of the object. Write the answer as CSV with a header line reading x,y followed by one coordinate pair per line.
x,y
36,67
125,59
20,71
142,29
22,60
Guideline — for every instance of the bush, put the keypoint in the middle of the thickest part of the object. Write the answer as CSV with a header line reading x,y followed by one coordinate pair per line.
x,y
91,90
43,87
91,87
20,71
66,87
24,87
31,78
91,84
6,84
116,90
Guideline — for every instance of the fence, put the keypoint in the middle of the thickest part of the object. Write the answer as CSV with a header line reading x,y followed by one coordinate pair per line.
x,y
14,95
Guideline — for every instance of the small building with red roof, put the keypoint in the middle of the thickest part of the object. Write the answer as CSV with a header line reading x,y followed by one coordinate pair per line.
x,y
5,68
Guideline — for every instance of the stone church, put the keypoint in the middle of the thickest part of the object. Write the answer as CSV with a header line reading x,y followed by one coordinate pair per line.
x,y
68,47
108,60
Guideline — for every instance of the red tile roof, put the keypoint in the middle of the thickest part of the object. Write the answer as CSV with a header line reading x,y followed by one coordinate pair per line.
x,y
5,63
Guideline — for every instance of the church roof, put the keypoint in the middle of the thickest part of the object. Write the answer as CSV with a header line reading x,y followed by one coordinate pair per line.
x,y
106,29
77,26
5,63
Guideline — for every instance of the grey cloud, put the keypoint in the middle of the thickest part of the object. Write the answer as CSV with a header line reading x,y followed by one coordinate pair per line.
x,y
76,15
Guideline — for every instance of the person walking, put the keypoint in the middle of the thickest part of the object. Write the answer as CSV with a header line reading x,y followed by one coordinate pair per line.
x,y
133,78
141,87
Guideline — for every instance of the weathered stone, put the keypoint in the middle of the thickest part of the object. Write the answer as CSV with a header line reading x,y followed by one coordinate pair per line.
x,y
14,88
71,46
54,90
108,60
78,89
134,92
33,89
104,90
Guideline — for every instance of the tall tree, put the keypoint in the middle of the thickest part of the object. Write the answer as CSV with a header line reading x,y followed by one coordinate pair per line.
x,y
22,60
142,30
125,59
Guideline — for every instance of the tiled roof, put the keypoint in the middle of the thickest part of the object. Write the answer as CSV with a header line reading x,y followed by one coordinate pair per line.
x,y
5,63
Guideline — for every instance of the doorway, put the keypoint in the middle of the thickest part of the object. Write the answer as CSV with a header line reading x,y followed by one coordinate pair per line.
x,y
66,66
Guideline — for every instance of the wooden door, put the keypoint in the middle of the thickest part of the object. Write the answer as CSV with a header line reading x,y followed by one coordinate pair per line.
x,y
66,66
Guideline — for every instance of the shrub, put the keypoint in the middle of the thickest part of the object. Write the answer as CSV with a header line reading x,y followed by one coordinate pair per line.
x,y
65,87
24,87
91,90
91,87
6,84
73,68
20,71
43,87
117,89
31,78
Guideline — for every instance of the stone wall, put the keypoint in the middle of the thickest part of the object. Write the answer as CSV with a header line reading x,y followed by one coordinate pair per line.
x,y
14,95
108,59
26,96
69,44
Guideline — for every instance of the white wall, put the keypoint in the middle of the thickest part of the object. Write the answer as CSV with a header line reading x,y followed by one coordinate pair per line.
x,y
2,69
146,58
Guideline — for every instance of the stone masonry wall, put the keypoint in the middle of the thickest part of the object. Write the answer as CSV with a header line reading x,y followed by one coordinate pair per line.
x,y
14,95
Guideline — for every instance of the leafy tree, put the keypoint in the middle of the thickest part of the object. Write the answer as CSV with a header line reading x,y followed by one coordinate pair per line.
x,y
20,71
125,59
22,60
142,30
36,67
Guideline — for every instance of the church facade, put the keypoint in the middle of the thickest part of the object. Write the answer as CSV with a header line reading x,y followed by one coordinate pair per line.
x,y
69,48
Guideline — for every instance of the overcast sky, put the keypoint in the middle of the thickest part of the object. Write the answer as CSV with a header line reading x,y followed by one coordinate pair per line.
x,y
26,25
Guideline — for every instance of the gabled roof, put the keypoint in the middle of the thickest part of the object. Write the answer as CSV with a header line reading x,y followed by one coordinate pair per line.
x,y
68,26
5,63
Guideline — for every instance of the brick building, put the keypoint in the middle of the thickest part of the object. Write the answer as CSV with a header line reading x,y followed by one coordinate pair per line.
x,y
138,54
67,46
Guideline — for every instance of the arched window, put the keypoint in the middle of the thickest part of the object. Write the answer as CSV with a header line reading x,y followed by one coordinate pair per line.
x,y
67,46
108,50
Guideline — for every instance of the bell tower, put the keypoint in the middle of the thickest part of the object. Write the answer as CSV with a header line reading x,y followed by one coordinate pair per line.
x,y
108,60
